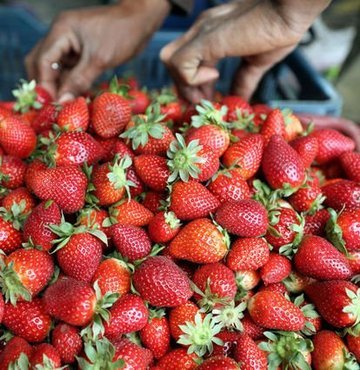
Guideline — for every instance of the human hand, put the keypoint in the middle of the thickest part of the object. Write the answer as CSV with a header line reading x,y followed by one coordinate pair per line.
x,y
261,32
86,42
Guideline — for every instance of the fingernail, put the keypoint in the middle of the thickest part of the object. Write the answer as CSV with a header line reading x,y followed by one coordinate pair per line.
x,y
66,97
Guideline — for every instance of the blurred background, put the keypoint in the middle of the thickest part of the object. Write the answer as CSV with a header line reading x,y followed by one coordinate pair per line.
x,y
327,81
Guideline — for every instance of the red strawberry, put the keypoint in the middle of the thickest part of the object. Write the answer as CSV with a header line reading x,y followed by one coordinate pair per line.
x,y
350,162
278,287
319,259
152,201
218,363
315,224
228,185
14,348
307,199
10,237
273,311
229,339
178,359
45,118
19,201
138,187
131,241
293,126
67,341
276,269
36,230
248,254
329,351
251,329
180,315
149,280
190,200
128,314
45,355
26,273
307,147
353,344
93,218
71,301
12,172
249,355
163,227
74,115
342,193
155,335
138,100
30,95
331,144
28,320
235,104
282,165
274,124
246,155
245,218
77,148
110,114
17,138
337,301
200,241
171,110
246,280
152,170
130,212
65,185
217,284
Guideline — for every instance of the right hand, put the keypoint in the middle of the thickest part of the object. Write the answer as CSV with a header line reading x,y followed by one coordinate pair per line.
x,y
86,42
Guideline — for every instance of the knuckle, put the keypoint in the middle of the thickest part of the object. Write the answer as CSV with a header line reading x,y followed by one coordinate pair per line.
x,y
101,60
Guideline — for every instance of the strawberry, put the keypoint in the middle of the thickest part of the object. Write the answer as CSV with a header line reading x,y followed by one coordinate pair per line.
x,y
19,201
200,241
245,218
152,170
228,185
248,254
235,104
25,273
111,182
178,359
155,335
110,114
246,155
343,229
71,301
307,147
278,287
192,161
30,95
180,315
16,349
218,363
12,172
130,212
276,269
128,314
246,280
253,330
10,236
229,339
282,166
337,302
138,101
131,242
274,124
330,352
307,199
36,230
273,311
170,105
331,144
148,281
354,261
45,354
190,200
65,185
93,218
319,259
215,284
350,161
138,187
342,193
17,138
315,224
152,201
77,148
45,118
67,341
74,115
293,126
296,283
353,344
163,227
249,355
148,134
28,320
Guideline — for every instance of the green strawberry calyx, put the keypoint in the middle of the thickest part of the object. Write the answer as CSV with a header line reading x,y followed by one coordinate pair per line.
x,y
309,313
353,308
117,88
15,215
244,121
334,232
184,159
172,220
200,336
291,248
288,349
209,115
230,316
117,174
26,96
21,363
145,127
48,364
350,361
164,97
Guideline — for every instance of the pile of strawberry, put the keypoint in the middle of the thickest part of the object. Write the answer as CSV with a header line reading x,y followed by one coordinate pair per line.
x,y
141,233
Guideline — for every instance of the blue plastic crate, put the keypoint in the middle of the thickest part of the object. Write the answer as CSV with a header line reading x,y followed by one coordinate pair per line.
x,y
293,83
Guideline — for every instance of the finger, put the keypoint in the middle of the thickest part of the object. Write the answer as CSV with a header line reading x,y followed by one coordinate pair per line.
x,y
30,60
